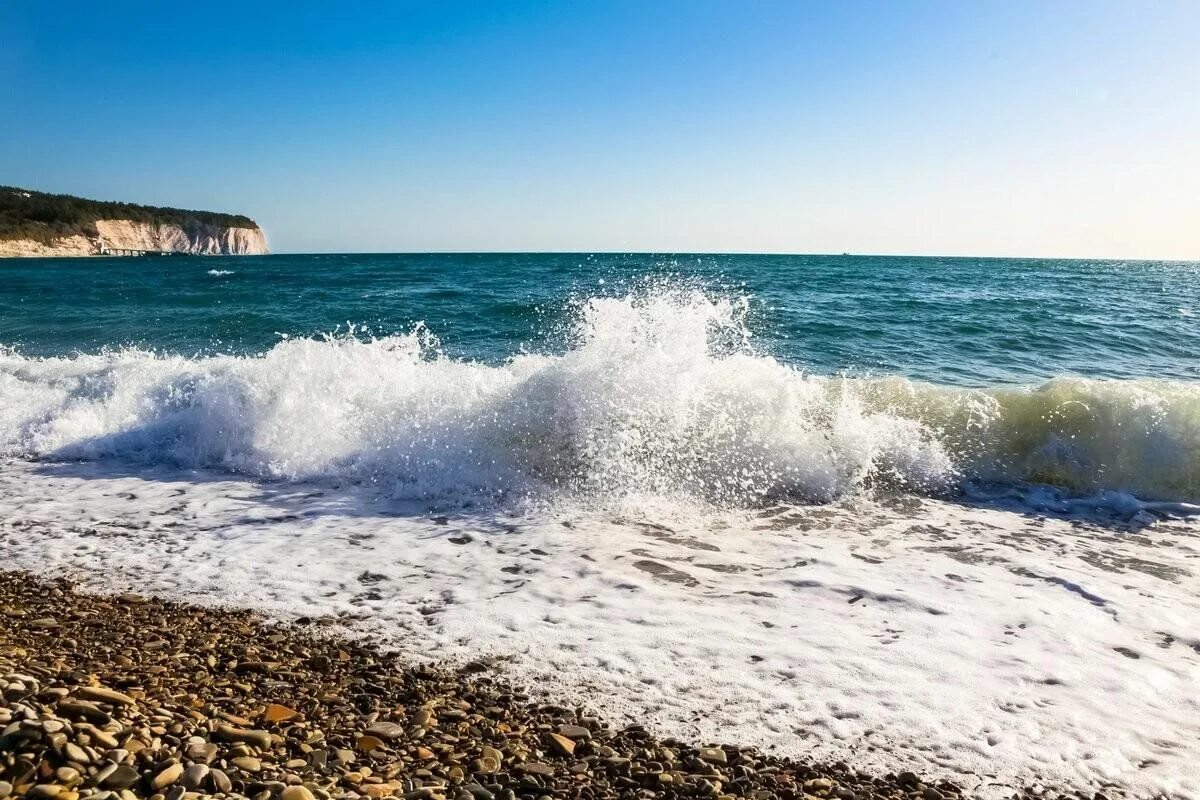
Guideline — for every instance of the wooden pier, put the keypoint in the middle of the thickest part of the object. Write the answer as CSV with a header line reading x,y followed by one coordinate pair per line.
x,y
105,250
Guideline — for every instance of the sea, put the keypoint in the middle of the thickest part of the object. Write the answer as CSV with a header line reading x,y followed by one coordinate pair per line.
x,y
938,514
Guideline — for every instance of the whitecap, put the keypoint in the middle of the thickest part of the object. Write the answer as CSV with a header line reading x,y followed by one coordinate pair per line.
x,y
660,394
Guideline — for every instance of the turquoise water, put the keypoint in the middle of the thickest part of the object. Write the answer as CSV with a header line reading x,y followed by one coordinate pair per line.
x,y
735,380
965,322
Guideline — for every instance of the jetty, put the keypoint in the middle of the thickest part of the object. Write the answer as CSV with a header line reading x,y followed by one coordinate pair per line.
x,y
105,250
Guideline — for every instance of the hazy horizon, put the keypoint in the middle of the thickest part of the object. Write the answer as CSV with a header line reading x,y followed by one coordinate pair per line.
x,y
1027,130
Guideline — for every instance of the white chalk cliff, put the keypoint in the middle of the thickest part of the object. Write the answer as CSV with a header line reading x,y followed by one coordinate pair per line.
x,y
119,234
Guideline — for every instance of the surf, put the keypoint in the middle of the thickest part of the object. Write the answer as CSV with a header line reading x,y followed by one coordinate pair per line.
x,y
660,393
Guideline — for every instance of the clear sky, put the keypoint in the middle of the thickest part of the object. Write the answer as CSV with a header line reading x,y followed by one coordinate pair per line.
x,y
958,127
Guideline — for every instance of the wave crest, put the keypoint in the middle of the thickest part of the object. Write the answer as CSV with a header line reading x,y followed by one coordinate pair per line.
x,y
659,394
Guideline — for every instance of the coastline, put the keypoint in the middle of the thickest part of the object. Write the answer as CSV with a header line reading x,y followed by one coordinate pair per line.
x,y
116,237
758,637
125,696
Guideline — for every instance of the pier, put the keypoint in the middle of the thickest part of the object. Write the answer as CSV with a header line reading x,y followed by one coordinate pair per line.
x,y
105,250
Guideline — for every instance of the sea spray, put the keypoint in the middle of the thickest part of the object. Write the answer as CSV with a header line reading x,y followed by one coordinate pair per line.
x,y
659,393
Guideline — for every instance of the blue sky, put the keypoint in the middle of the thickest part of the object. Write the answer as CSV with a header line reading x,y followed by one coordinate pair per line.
x,y
981,128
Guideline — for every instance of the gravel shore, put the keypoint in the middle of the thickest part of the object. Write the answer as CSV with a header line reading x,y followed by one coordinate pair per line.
x,y
124,697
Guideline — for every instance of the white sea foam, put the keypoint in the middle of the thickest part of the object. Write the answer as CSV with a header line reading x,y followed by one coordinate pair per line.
x,y
658,395
220,272
991,646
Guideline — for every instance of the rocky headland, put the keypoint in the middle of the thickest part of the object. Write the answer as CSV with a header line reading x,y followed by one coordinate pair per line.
x,y
36,224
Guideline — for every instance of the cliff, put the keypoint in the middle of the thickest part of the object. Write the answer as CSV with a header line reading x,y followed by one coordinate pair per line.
x,y
38,224
119,234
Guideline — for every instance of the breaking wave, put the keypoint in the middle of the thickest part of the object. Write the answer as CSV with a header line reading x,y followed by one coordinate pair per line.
x,y
657,394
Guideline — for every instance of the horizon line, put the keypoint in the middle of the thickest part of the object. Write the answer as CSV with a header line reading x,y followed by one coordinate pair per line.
x,y
783,253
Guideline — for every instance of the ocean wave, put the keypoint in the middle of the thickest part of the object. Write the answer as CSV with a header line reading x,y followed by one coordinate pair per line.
x,y
658,394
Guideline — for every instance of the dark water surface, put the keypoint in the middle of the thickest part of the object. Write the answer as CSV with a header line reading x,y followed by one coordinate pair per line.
x,y
956,321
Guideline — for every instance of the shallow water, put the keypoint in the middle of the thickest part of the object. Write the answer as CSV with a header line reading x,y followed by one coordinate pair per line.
x,y
984,643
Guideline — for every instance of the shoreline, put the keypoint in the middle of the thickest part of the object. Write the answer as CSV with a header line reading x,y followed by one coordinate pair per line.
x,y
124,696
695,662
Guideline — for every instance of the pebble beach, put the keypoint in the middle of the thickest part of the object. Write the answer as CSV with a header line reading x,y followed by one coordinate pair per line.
x,y
117,697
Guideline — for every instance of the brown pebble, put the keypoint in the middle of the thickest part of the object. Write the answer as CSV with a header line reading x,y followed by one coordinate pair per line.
x,y
386,730
122,777
574,732
537,768
562,744
220,781
280,713
260,739
369,743
194,775
99,693
247,763
168,776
